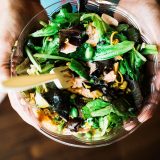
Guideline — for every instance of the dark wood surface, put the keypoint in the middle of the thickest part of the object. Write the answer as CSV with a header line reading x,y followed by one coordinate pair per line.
x,y
19,141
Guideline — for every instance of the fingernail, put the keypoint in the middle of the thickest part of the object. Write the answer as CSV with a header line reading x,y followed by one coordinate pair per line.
x,y
129,125
146,113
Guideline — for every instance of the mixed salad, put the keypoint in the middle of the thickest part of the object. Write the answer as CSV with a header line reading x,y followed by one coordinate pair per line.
x,y
104,60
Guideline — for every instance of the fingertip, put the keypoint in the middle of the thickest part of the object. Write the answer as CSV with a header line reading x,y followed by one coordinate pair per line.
x,y
146,113
130,124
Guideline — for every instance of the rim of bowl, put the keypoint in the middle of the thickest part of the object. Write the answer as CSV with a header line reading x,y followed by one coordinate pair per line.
x,y
57,137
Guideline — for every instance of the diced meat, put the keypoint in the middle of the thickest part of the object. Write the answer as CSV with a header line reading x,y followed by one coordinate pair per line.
x,y
86,92
92,67
93,35
68,48
78,83
109,77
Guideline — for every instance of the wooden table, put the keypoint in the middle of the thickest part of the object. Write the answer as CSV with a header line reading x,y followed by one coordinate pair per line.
x,y
19,141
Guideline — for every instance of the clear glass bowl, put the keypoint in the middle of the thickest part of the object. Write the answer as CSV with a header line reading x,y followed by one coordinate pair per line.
x,y
109,8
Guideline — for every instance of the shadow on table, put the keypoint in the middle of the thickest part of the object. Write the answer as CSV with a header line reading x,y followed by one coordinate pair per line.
x,y
19,141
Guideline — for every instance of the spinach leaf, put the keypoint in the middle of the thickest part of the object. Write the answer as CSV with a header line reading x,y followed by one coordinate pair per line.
x,y
149,49
98,23
114,120
74,112
68,7
131,64
32,46
122,27
51,46
123,108
46,56
122,68
125,68
121,37
32,59
93,106
136,59
102,112
49,30
133,34
78,68
103,124
105,52
65,18
84,53
61,19
47,68
22,68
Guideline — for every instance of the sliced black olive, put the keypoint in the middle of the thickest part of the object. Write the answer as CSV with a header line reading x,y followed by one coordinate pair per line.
x,y
59,101
79,102
103,66
74,124
75,34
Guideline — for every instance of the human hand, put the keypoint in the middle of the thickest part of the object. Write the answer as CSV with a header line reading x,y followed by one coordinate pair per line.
x,y
13,17
147,14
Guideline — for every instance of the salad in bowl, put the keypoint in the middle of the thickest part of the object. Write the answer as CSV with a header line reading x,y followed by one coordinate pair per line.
x,y
104,61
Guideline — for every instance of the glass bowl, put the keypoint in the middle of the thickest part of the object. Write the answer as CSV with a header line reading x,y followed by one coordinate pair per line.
x,y
93,6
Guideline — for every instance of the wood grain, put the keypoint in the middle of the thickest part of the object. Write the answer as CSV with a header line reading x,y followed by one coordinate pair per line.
x,y
19,141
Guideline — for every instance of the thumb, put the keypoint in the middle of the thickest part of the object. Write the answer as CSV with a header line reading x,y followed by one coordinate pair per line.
x,y
154,99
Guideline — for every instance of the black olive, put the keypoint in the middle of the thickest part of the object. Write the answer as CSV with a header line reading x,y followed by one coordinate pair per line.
x,y
74,124
59,101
